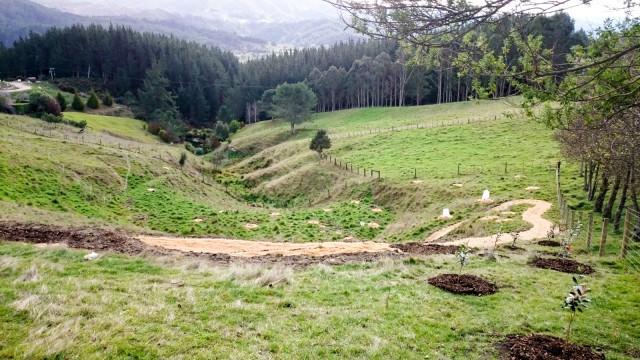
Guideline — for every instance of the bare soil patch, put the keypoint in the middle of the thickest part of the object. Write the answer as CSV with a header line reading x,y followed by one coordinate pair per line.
x,y
101,240
513,248
549,243
425,249
544,347
94,239
562,265
532,215
464,284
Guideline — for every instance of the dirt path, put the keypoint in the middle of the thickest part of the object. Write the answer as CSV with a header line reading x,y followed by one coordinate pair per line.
x,y
17,86
532,215
243,248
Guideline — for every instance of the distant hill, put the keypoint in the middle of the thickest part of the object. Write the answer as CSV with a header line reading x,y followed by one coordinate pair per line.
x,y
19,17
242,26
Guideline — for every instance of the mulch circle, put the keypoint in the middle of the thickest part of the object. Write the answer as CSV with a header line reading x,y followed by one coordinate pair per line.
x,y
562,265
426,249
544,347
464,284
549,243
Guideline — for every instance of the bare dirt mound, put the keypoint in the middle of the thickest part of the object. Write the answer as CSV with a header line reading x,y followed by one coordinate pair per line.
x,y
464,284
544,347
549,243
563,265
425,249
248,249
94,239
101,240
532,215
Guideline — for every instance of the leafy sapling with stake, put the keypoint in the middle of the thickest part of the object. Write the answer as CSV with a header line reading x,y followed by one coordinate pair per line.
x,y
463,255
569,239
514,237
576,301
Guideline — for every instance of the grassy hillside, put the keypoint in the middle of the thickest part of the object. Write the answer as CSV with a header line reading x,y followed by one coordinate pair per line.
x,y
55,305
430,157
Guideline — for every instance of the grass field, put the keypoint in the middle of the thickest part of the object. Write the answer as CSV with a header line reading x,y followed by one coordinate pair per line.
x,y
54,305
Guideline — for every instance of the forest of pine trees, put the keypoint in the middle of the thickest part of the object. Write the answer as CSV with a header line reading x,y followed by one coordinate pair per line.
x,y
201,80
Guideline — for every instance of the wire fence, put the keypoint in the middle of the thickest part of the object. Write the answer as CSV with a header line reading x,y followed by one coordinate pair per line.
x,y
630,252
519,170
630,245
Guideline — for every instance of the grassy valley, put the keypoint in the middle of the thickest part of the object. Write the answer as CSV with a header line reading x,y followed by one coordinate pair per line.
x,y
53,304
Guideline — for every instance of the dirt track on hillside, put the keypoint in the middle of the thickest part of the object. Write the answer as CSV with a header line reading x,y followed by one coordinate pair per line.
x,y
532,215
17,86
225,251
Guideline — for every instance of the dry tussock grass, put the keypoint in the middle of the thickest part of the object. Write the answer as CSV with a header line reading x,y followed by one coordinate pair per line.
x,y
261,275
30,275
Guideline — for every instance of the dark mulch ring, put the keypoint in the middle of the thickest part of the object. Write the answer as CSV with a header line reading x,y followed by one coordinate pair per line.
x,y
426,249
513,248
562,265
544,347
464,284
549,243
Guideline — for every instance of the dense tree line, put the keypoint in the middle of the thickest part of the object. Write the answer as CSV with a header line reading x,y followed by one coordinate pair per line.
x,y
206,83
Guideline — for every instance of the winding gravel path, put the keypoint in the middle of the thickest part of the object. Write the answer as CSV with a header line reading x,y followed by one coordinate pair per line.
x,y
244,248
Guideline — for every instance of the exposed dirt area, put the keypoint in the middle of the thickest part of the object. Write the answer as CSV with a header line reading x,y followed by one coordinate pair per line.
x,y
562,265
101,241
16,86
248,249
464,284
544,347
513,248
549,243
425,249
532,215
86,238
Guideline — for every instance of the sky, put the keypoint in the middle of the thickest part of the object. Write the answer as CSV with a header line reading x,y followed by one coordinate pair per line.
x,y
589,17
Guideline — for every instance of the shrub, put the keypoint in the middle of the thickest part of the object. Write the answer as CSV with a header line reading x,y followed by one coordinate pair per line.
x,y
153,127
222,131
77,103
79,124
183,159
51,118
93,101
199,151
41,102
62,101
234,126
189,146
107,100
214,143
5,104
162,134
320,142
67,88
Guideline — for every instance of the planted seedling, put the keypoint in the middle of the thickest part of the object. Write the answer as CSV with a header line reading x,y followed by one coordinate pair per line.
x,y
551,234
514,237
569,239
576,301
463,256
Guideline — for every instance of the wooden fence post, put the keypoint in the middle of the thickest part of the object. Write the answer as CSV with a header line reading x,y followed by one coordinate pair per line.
x,y
627,235
603,238
558,183
589,232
